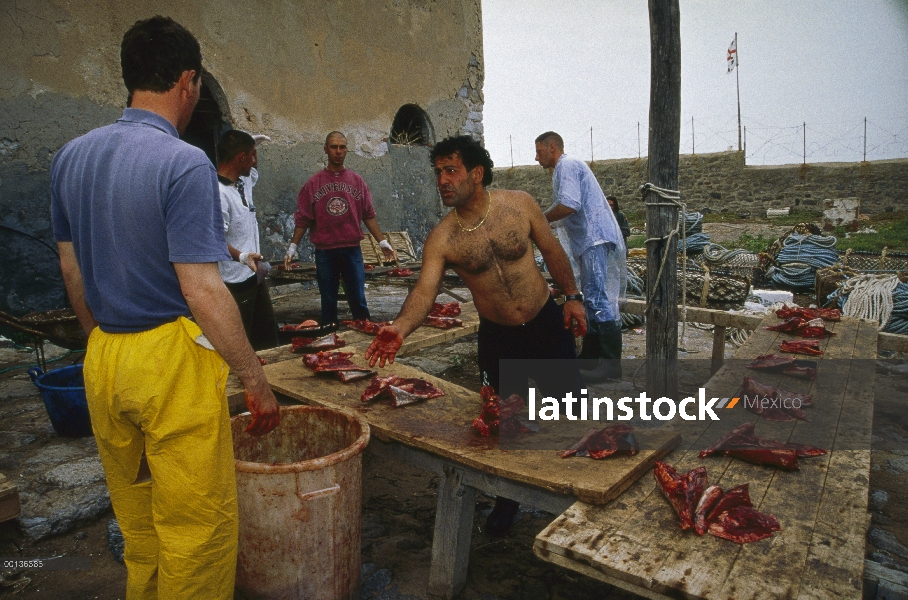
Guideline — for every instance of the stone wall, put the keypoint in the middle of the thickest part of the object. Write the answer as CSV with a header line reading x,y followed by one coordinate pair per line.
x,y
293,71
722,183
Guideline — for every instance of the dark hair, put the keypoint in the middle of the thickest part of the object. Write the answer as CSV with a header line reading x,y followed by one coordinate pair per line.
x,y
155,52
551,136
471,154
339,133
615,200
232,143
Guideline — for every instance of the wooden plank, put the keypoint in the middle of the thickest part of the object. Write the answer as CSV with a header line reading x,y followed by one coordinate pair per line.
x,y
451,542
893,342
834,560
648,521
442,426
592,572
10,507
874,571
718,354
707,316
699,567
633,538
754,571
422,337
834,566
634,542
886,341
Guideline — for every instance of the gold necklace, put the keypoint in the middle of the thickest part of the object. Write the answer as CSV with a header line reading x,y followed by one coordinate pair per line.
x,y
488,210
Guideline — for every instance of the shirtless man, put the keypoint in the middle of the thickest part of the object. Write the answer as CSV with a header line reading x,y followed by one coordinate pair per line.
x,y
488,240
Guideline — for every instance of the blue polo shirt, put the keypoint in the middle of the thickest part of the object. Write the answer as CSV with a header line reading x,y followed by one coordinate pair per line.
x,y
133,199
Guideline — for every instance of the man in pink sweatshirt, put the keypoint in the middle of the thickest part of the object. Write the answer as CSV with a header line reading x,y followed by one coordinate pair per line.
x,y
331,206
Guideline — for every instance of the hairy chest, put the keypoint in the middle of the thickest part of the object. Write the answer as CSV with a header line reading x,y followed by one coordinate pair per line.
x,y
476,254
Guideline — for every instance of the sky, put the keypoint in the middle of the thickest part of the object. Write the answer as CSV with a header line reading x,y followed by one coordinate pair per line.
x,y
811,69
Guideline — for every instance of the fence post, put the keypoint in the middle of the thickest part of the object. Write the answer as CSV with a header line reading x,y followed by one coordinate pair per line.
x,y
805,142
693,147
865,139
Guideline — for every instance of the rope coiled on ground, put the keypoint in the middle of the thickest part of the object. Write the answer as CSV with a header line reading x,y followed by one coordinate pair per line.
x,y
800,257
693,228
882,298
717,255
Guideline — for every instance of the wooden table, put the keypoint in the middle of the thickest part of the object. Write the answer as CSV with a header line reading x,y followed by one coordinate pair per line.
x,y
422,337
635,543
436,435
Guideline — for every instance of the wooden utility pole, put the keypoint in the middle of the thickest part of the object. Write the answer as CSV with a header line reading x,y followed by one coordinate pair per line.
x,y
661,219
738,85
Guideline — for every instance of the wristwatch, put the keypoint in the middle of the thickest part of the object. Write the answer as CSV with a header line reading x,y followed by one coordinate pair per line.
x,y
578,296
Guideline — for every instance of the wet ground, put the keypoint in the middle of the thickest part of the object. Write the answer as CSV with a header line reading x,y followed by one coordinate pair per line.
x,y
399,501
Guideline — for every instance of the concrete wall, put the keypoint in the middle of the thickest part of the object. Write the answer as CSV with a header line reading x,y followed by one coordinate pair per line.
x,y
291,70
723,183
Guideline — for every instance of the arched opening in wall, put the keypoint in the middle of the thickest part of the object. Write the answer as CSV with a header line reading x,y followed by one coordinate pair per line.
x,y
412,127
210,118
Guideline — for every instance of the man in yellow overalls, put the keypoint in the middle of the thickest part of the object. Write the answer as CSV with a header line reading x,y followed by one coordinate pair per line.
x,y
137,219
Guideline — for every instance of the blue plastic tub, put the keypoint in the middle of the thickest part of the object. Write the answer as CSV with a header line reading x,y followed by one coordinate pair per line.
x,y
63,391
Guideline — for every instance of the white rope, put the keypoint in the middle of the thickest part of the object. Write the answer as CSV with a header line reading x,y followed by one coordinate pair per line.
x,y
870,297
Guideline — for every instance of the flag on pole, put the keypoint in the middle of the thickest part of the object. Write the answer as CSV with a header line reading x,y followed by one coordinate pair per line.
x,y
733,55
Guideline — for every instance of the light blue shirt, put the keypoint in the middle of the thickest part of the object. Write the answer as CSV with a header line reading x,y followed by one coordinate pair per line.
x,y
593,223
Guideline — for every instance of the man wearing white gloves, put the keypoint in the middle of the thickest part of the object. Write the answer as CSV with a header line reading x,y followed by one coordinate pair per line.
x,y
331,206
245,275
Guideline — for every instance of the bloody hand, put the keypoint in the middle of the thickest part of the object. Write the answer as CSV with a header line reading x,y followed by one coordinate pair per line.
x,y
573,310
384,347
264,410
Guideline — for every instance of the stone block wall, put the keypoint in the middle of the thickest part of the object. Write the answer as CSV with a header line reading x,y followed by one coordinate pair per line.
x,y
293,71
723,183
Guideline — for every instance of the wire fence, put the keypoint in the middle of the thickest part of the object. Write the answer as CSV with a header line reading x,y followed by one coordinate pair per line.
x,y
806,142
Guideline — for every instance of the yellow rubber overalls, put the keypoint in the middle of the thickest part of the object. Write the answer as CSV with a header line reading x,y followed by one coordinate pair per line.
x,y
162,393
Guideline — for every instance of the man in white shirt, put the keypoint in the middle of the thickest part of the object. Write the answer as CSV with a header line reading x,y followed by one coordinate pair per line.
x,y
244,276
598,247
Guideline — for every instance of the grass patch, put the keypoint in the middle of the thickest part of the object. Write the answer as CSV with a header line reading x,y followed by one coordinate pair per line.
x,y
891,230
636,241
755,244
635,218
891,233
798,215
723,217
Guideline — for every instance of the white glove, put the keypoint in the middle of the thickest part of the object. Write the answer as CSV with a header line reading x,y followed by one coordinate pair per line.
x,y
260,138
386,245
244,259
291,252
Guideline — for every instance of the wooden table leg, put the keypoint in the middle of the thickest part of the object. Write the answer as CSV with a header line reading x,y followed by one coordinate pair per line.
x,y
718,348
453,529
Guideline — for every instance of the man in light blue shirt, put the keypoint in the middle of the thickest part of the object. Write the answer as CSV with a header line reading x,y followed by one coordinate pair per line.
x,y
596,243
